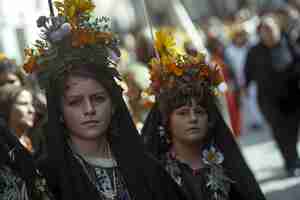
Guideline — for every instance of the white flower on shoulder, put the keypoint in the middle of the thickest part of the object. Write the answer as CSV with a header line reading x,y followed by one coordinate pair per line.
x,y
212,156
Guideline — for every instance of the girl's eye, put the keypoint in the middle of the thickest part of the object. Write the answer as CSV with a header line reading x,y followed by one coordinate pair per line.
x,y
22,103
182,112
74,102
99,99
200,111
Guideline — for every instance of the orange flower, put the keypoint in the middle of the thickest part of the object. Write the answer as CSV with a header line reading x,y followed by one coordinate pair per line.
x,y
148,104
204,72
79,38
30,65
175,69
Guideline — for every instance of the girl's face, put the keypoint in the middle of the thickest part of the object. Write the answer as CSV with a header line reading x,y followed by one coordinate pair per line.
x,y
22,112
188,124
87,108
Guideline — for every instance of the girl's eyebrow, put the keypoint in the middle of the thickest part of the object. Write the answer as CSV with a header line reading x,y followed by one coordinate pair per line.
x,y
79,95
183,108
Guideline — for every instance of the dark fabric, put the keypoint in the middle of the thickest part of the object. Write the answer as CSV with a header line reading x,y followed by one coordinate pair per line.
x,y
144,177
21,165
275,70
285,130
22,162
195,186
278,93
245,186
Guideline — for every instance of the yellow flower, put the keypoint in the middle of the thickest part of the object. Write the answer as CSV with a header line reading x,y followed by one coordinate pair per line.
x,y
177,70
73,8
165,43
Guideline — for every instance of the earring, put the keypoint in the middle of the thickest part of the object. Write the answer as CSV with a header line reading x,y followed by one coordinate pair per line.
x,y
11,154
161,131
162,134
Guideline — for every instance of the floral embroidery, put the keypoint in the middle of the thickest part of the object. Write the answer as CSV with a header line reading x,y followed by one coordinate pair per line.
x,y
11,186
217,182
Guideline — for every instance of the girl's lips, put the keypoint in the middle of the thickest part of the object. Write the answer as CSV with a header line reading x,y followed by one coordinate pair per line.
x,y
90,122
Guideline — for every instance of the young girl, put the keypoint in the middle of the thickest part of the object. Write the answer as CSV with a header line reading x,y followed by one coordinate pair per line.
x,y
94,150
187,133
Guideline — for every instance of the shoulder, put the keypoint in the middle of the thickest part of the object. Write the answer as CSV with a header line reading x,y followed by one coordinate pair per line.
x,y
159,178
12,187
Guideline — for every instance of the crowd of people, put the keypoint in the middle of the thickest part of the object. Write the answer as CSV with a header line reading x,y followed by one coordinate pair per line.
x,y
93,115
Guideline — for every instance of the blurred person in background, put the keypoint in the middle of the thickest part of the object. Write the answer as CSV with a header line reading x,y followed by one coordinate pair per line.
x,y
271,64
232,94
144,49
19,177
18,110
9,72
235,57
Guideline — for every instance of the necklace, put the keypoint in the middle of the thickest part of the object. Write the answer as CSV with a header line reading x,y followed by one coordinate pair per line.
x,y
106,186
113,193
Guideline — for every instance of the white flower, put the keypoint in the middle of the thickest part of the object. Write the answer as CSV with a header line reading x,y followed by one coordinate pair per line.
x,y
212,156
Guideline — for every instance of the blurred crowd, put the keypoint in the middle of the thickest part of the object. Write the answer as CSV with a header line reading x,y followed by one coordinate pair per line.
x,y
259,54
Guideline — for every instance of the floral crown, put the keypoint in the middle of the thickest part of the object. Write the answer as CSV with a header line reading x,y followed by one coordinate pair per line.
x,y
173,67
72,36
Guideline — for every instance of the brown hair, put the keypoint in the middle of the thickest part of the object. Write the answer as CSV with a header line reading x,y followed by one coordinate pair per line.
x,y
86,70
183,95
8,96
10,66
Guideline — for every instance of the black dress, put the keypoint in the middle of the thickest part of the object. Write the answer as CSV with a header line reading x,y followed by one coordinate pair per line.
x,y
141,175
237,181
19,177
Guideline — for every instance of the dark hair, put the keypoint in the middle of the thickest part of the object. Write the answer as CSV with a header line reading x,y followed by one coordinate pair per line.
x,y
183,95
101,74
10,66
8,96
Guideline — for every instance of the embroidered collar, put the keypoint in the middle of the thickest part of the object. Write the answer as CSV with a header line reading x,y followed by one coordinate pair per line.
x,y
94,161
217,182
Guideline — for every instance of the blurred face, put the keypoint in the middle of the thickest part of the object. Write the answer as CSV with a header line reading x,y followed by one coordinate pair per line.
x,y
9,78
270,33
188,124
22,112
87,108
240,39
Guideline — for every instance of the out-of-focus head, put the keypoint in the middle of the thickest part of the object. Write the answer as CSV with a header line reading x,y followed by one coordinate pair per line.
x,y
269,31
239,36
17,107
9,72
